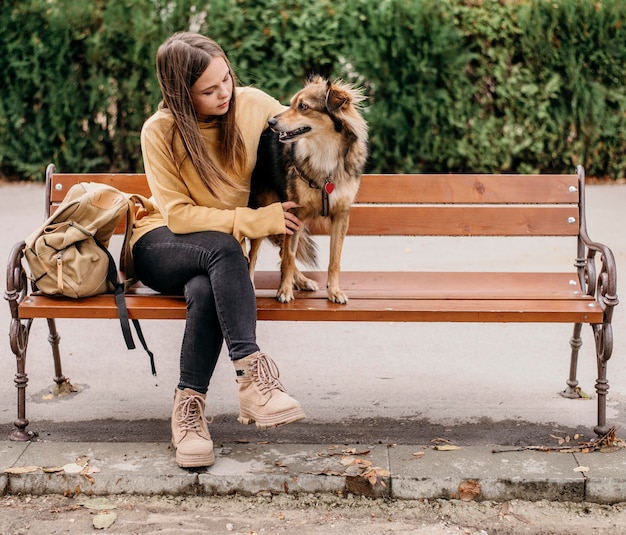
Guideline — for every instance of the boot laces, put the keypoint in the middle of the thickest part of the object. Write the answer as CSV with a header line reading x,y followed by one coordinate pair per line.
x,y
190,415
266,373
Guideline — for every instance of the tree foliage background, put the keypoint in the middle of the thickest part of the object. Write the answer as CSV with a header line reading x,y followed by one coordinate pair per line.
x,y
452,86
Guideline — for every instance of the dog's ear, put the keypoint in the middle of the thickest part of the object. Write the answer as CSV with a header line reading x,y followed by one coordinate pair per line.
x,y
335,97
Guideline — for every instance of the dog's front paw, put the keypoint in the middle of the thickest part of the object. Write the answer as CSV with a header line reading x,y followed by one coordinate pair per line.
x,y
284,295
337,296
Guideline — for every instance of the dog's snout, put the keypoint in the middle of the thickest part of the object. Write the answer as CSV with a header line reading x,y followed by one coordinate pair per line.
x,y
272,121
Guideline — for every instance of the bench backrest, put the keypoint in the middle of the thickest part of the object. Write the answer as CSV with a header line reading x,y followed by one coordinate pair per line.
x,y
424,204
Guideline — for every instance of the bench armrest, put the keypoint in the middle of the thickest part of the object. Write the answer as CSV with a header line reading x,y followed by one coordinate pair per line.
x,y
598,276
17,280
17,289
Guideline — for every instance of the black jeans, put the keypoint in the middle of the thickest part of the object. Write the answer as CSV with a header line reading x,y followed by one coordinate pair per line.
x,y
211,271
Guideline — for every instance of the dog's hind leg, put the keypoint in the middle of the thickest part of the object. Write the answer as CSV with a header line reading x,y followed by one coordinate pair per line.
x,y
290,276
287,268
306,252
300,282
253,254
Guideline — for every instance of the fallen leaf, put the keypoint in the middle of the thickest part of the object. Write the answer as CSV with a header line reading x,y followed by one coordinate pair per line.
x,y
98,504
447,447
348,460
419,454
64,388
469,490
22,469
582,394
52,469
353,471
560,440
354,451
373,475
104,520
444,440
72,468
581,469
83,460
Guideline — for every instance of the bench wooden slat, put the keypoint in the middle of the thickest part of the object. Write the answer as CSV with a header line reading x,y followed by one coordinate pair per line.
x,y
320,309
391,189
506,220
438,285
469,189
488,311
454,221
128,182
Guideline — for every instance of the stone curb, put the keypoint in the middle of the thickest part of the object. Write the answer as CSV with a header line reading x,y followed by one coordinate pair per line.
x,y
400,472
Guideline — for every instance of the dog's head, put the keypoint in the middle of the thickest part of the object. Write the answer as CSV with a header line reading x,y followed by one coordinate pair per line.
x,y
321,107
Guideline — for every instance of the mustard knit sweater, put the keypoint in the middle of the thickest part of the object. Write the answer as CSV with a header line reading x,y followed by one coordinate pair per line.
x,y
182,201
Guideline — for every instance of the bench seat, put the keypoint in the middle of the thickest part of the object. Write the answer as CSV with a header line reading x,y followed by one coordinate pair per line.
x,y
374,296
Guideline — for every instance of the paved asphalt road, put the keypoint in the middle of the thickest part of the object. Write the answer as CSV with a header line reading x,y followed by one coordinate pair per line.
x,y
348,376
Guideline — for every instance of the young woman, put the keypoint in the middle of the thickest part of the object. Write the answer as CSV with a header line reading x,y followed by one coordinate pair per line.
x,y
199,150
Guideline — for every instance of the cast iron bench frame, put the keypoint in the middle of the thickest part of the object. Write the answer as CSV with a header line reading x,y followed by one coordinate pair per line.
x,y
388,205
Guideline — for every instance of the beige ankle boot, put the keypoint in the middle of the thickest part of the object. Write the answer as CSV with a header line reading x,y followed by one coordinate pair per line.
x,y
262,397
190,431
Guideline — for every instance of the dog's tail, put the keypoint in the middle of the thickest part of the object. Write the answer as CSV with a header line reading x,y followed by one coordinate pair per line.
x,y
307,248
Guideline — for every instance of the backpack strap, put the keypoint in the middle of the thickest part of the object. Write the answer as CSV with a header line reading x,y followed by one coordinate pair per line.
x,y
120,302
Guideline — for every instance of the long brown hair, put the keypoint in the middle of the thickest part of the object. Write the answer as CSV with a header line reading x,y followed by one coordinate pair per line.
x,y
180,61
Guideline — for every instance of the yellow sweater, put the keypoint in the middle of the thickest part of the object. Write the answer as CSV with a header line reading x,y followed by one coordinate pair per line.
x,y
182,201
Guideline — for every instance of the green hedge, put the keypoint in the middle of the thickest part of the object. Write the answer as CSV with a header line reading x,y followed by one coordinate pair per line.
x,y
452,85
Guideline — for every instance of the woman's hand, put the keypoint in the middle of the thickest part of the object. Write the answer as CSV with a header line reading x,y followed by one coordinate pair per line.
x,y
292,223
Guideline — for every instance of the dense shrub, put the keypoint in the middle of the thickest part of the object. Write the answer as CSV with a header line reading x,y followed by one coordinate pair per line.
x,y
452,85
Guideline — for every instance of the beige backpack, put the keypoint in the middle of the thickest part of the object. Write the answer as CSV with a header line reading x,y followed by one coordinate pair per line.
x,y
68,255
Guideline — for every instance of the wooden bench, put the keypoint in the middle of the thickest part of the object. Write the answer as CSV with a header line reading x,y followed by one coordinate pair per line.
x,y
391,205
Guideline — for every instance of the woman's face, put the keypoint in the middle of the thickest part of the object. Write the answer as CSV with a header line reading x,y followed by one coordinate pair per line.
x,y
211,93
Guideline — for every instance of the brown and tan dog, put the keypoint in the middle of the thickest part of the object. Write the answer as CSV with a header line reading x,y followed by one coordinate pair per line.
x,y
313,154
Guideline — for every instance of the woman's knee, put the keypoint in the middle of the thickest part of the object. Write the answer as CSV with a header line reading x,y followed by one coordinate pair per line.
x,y
225,243
223,249
199,292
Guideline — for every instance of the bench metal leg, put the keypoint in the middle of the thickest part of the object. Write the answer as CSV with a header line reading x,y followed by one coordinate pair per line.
x,y
19,343
603,335
54,339
575,343
604,347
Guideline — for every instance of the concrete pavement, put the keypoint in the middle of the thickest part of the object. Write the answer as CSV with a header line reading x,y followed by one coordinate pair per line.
x,y
454,374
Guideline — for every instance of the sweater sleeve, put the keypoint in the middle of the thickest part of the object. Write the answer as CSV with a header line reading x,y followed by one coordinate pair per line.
x,y
186,211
